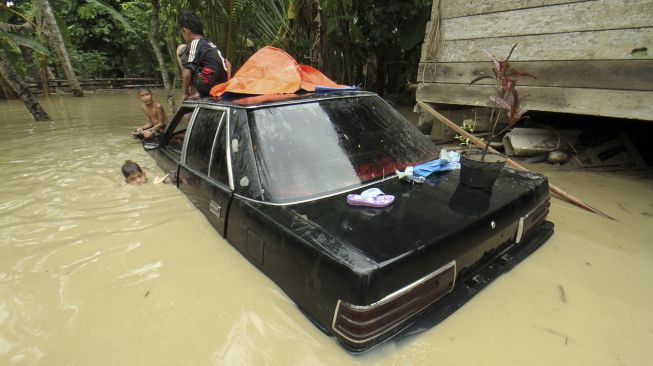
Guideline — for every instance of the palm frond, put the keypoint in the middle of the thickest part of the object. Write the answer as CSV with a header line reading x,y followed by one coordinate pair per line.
x,y
18,40
115,13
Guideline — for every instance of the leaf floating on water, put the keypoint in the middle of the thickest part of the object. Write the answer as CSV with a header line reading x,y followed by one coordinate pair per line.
x,y
563,297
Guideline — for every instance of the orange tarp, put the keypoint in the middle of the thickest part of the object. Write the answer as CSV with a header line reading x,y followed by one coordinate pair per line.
x,y
272,71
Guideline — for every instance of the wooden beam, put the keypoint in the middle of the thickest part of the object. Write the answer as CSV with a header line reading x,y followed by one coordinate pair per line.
x,y
476,141
564,18
463,8
604,74
598,102
621,44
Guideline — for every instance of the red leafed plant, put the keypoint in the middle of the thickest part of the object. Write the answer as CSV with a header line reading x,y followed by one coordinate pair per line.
x,y
506,97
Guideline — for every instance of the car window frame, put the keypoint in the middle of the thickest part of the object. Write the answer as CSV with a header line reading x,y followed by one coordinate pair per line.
x,y
189,132
170,131
224,123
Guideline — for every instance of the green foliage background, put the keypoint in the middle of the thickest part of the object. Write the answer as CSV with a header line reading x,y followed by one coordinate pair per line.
x,y
109,38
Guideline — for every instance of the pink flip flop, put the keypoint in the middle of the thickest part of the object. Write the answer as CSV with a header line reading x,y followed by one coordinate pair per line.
x,y
372,197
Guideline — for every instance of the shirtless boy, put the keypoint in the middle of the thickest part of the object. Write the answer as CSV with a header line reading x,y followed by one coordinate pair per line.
x,y
134,174
156,116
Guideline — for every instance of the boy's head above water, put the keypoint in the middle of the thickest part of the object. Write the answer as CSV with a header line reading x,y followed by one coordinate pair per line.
x,y
133,173
145,95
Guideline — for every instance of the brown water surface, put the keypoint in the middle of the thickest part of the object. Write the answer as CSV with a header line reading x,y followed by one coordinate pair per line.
x,y
95,272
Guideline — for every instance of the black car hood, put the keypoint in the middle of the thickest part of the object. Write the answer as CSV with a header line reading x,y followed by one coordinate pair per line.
x,y
421,215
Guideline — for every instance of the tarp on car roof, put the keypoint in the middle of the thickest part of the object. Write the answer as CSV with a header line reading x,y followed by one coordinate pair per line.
x,y
272,71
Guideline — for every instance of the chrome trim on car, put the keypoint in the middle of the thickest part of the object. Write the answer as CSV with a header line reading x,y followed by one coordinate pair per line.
x,y
230,170
392,296
318,197
215,208
302,101
522,220
520,229
182,158
215,139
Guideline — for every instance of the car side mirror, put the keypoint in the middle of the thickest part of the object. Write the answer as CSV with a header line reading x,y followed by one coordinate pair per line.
x,y
151,144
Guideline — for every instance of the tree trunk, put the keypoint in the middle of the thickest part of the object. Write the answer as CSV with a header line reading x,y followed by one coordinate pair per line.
x,y
30,62
45,77
37,69
153,37
58,46
9,74
317,36
380,72
231,25
6,90
343,23
172,52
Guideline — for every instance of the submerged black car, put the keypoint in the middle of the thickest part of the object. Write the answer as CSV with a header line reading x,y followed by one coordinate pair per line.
x,y
272,174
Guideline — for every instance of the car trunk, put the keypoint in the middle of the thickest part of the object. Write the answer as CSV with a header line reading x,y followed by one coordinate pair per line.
x,y
427,226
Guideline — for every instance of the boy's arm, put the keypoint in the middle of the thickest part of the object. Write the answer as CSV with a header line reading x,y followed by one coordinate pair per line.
x,y
186,76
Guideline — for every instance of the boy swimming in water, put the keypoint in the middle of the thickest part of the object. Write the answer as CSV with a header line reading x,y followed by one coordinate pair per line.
x,y
135,175
156,116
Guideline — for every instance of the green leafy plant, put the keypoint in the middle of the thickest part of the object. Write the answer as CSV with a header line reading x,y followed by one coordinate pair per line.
x,y
468,125
505,101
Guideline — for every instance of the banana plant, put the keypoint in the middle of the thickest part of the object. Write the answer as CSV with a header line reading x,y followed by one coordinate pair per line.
x,y
9,42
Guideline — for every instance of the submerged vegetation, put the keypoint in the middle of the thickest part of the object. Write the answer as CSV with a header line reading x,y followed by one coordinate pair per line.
x,y
373,44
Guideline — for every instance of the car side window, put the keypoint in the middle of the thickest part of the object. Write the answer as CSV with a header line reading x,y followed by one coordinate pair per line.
x,y
202,135
174,137
219,170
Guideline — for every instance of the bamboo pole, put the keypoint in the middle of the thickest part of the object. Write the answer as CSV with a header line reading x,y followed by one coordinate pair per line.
x,y
554,189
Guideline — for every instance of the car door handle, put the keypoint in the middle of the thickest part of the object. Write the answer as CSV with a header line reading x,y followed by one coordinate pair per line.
x,y
215,208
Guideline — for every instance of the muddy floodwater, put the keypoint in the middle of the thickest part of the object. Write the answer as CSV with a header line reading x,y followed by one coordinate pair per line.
x,y
94,272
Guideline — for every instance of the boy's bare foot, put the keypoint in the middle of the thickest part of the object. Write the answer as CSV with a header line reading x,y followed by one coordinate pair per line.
x,y
147,134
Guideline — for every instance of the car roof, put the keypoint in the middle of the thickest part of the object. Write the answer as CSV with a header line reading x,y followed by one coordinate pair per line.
x,y
256,101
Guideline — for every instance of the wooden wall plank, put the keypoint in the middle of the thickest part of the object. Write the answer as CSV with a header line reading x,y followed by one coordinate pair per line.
x,y
599,45
462,8
575,17
599,102
605,74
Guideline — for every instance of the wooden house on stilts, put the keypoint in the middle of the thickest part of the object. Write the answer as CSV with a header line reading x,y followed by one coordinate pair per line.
x,y
590,57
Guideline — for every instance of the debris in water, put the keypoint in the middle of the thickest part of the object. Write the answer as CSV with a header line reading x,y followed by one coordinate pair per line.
x,y
563,297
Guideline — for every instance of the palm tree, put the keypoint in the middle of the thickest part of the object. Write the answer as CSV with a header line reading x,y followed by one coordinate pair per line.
x,y
10,38
55,39
153,37
11,76
317,35
238,27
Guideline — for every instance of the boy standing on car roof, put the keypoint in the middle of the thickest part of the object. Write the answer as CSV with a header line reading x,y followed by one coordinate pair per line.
x,y
203,65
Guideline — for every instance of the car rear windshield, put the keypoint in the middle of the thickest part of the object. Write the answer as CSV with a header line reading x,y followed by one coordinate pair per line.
x,y
308,150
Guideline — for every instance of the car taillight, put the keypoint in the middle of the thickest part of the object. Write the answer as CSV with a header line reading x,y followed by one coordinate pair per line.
x,y
360,325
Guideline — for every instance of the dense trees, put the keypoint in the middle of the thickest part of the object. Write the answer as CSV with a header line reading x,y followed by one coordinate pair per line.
x,y
374,44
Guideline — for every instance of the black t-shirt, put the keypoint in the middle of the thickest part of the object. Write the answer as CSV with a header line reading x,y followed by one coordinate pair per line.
x,y
201,53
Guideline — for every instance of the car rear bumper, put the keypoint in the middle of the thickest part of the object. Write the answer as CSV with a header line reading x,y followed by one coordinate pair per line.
x,y
465,288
